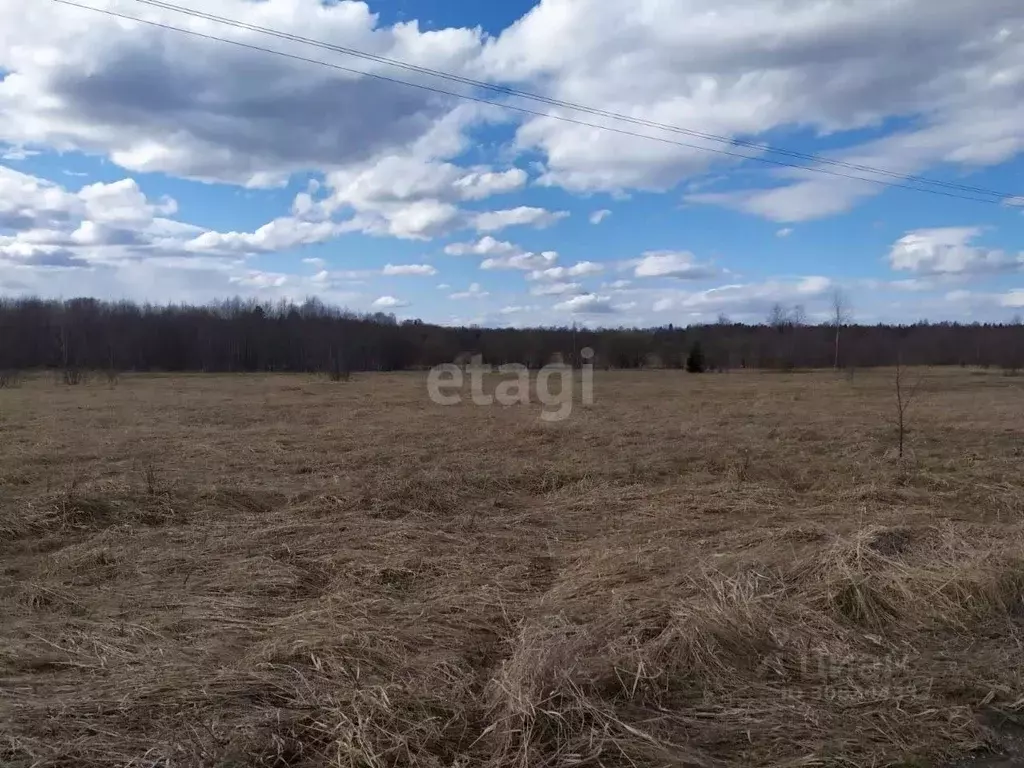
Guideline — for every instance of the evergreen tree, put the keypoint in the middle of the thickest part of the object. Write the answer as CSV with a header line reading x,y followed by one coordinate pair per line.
x,y
695,360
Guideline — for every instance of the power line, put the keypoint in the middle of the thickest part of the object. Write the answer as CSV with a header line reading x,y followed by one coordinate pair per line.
x,y
1001,197
568,104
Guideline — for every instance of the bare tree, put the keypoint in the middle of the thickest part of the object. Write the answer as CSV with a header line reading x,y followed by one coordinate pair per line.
x,y
778,318
904,397
841,315
797,316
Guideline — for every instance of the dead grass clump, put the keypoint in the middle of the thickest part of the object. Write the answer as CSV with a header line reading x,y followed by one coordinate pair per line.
x,y
544,712
72,511
394,494
880,577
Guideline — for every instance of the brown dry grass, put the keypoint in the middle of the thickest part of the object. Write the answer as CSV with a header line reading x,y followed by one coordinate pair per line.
x,y
694,571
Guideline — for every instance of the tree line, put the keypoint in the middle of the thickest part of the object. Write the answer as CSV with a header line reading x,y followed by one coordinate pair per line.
x,y
246,335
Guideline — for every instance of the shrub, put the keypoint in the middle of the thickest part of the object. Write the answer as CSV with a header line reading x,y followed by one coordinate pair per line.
x,y
73,376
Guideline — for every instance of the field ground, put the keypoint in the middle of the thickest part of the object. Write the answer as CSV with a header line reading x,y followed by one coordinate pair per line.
x,y
727,569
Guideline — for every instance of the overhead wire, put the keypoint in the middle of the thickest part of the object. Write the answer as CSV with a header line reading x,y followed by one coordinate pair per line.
x,y
991,196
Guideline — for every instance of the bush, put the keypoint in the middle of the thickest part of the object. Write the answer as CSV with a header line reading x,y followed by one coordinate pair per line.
x,y
73,376
695,362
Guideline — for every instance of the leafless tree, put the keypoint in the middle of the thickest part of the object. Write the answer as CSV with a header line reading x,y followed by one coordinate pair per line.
x,y
841,315
904,397
777,318
797,316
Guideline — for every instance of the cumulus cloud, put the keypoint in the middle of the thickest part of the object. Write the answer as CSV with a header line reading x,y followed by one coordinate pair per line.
x,y
485,246
155,100
101,223
949,251
473,292
389,302
681,264
525,260
277,235
390,160
477,185
110,240
748,298
748,67
409,269
555,289
580,269
784,232
517,309
413,195
524,215
587,304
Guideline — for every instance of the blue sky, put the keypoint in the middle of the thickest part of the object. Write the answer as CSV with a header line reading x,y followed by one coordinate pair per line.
x,y
142,163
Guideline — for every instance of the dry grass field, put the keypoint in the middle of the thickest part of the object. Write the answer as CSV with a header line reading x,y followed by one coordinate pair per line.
x,y
717,570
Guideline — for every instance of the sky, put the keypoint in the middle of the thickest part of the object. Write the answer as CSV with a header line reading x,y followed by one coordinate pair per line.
x,y
145,163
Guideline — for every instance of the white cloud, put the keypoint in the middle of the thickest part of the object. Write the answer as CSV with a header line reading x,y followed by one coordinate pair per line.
x,y
314,261
485,246
16,154
413,195
389,161
278,235
478,185
681,264
111,241
555,289
389,302
473,292
158,101
524,215
748,67
409,269
749,299
257,279
587,304
949,250
517,310
527,261
101,223
502,254
580,269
